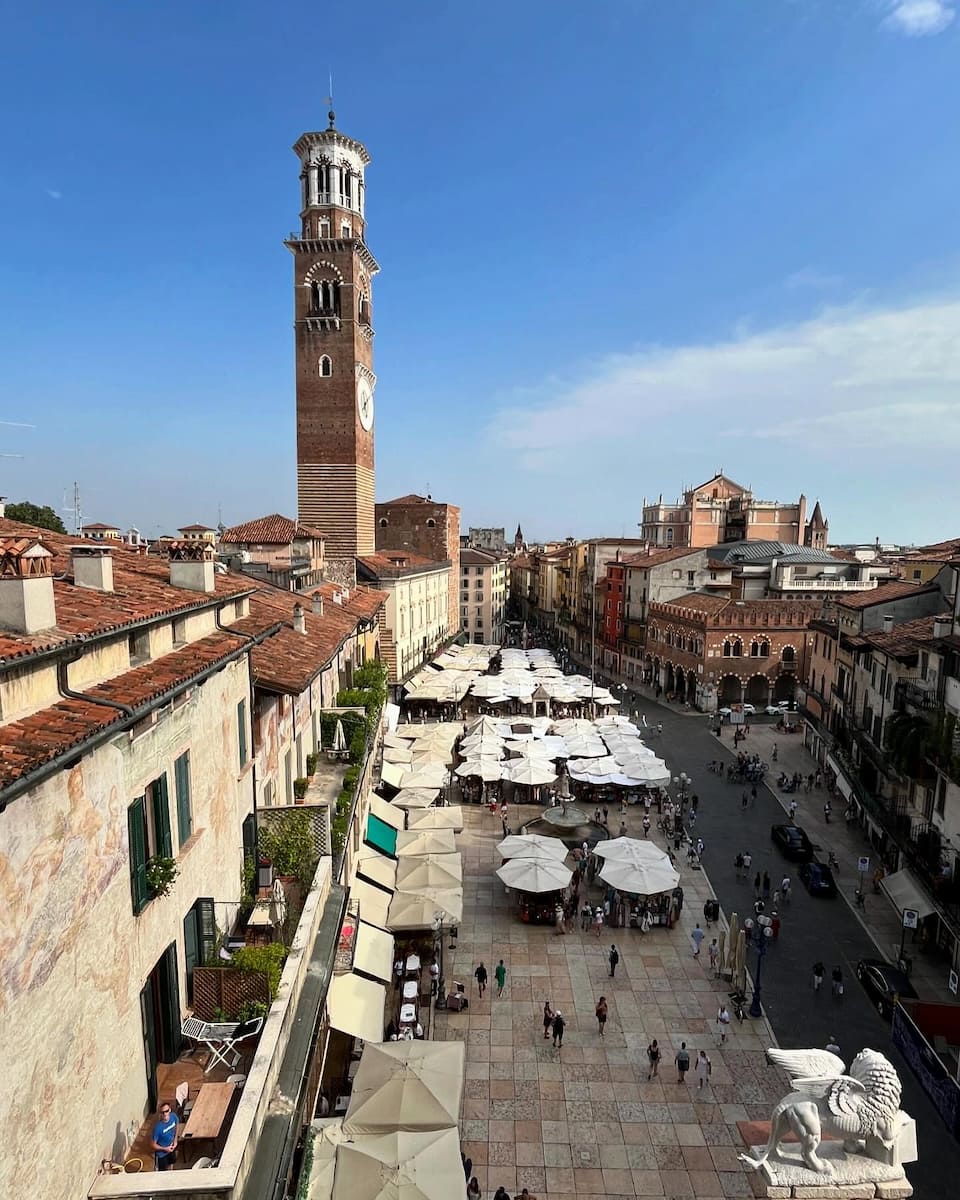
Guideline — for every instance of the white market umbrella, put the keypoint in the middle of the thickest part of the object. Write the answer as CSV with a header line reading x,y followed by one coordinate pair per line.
x,y
395,741
612,721
395,754
424,872
449,817
526,845
400,1166
642,879
412,842
487,769
530,773
415,798
628,849
570,725
484,725
427,775
418,910
406,1085
535,874
652,772
585,747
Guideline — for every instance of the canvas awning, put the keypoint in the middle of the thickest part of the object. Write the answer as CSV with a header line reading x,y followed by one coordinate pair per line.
x,y
904,890
409,910
392,774
356,1005
373,953
386,812
381,835
429,870
374,902
425,841
378,869
450,817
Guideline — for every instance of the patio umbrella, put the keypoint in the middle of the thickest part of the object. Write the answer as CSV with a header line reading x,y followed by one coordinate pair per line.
x,y
484,725
723,944
430,752
396,741
415,798
523,845
628,849
422,841
406,1086
419,910
395,754
417,873
543,874
339,737
612,721
427,775
487,769
585,747
732,935
530,772
450,817
651,772
571,725
643,879
740,968
400,1166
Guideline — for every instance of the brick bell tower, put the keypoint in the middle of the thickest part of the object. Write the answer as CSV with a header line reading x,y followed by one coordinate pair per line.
x,y
333,270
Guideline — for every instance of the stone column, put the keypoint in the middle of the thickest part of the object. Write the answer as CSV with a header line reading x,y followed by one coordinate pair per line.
x,y
312,183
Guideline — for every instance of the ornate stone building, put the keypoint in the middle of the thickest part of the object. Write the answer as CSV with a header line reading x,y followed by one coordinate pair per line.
x,y
333,270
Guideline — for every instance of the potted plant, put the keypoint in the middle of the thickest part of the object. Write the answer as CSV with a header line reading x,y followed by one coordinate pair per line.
x,y
161,873
311,765
300,788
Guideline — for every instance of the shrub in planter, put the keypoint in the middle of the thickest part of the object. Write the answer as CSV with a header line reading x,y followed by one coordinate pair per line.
x,y
300,788
311,765
268,959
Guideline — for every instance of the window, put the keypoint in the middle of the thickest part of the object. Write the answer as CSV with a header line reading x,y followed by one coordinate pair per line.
x,y
148,832
738,649
181,775
690,579
788,654
383,522
431,523
139,646
918,574
199,939
180,632
323,227
345,229
242,733
326,366
764,649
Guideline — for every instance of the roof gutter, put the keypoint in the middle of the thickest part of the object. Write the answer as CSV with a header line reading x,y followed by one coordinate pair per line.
x,y
94,639
63,664
39,774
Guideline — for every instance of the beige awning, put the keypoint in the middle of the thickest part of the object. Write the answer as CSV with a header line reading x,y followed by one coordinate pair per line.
x,y
392,774
905,892
374,902
407,1086
436,818
385,811
373,952
425,841
425,1165
356,1006
378,869
418,910
415,798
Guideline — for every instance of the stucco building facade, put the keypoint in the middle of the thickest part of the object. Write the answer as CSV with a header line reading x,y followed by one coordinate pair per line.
x,y
483,596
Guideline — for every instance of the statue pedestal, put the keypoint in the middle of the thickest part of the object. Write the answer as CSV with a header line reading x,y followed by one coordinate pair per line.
x,y
855,1176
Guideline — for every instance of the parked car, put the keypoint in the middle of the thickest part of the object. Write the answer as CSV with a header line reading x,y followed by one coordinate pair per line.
x,y
728,710
776,710
882,982
792,842
817,878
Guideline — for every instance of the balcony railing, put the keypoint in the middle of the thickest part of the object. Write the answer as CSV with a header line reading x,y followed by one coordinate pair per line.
x,y
814,583
917,695
837,690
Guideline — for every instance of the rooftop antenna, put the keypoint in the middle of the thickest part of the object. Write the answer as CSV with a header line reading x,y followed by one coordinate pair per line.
x,y
75,509
331,114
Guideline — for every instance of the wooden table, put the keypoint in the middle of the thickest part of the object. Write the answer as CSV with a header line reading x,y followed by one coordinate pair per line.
x,y
209,1112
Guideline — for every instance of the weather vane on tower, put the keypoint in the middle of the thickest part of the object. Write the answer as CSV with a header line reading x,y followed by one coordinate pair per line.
x,y
331,114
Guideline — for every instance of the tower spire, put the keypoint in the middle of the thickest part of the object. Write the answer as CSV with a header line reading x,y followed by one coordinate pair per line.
x,y
331,115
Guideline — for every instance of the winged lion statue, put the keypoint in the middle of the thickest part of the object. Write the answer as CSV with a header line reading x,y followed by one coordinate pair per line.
x,y
827,1099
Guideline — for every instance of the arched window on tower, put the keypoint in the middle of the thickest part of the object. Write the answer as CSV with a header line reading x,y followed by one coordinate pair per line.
x,y
363,309
325,298
754,649
323,227
326,366
788,654
764,649
738,649
727,649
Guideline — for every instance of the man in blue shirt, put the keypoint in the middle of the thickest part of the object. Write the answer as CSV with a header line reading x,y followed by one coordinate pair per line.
x,y
165,1134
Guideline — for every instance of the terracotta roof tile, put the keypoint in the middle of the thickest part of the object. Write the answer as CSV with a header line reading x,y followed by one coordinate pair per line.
x,y
393,560
273,530
51,733
884,594
197,529
656,556
905,640
142,590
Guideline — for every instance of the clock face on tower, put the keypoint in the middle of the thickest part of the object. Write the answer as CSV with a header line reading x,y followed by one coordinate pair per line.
x,y
365,406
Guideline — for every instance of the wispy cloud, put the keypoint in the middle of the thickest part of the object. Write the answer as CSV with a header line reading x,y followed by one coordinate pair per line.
x,y
919,18
810,277
54,194
887,378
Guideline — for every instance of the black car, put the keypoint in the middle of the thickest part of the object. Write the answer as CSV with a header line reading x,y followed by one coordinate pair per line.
x,y
792,842
817,878
882,981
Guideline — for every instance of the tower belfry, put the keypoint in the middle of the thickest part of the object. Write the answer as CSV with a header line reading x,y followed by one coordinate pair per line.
x,y
333,335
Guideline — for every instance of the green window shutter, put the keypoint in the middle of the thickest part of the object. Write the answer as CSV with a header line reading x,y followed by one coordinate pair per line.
x,y
207,927
161,817
191,949
137,837
181,770
242,731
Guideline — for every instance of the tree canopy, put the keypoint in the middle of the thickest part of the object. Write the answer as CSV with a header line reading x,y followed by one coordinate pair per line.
x,y
41,515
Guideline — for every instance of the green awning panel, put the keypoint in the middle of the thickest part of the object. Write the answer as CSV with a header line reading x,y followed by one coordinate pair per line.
x,y
381,835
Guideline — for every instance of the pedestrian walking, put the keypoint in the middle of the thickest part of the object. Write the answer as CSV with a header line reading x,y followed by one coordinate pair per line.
x,y
697,937
827,810
500,974
653,1057
818,778
467,1166
776,753
677,835
766,885
559,1025
694,802
548,1015
586,916
753,793
480,975
606,815
747,863
646,825
774,925
601,1012
738,867
785,886
836,976
704,1067
792,809
714,951
614,958
757,883
723,1022
473,1188
598,919
743,799
700,847
682,1059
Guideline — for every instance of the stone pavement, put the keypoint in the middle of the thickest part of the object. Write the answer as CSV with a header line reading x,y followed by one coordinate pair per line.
x,y
584,1121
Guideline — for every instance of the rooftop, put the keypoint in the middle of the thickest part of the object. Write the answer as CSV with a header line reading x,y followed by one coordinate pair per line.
x,y
763,551
654,557
479,558
391,563
886,592
904,641
272,530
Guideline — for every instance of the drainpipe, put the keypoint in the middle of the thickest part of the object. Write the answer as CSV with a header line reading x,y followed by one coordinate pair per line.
x,y
68,693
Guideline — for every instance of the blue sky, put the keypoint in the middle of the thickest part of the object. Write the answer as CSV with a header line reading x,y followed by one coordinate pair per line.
x,y
621,245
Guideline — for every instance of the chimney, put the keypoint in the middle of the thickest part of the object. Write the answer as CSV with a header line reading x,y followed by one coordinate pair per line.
x,y
92,567
3,506
942,626
191,566
26,585
299,620
888,623
317,604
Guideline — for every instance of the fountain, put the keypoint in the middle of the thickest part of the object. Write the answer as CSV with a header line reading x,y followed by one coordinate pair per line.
x,y
566,820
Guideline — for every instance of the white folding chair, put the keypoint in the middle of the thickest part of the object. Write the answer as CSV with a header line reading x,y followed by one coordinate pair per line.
x,y
184,1103
239,1080
201,1163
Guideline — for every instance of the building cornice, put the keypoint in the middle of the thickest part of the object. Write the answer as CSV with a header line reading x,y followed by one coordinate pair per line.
x,y
298,244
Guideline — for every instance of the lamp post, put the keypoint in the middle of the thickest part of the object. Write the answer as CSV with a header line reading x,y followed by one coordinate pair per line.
x,y
758,934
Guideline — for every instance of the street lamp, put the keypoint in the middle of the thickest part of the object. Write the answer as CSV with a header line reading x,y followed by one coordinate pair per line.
x,y
758,934
682,783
